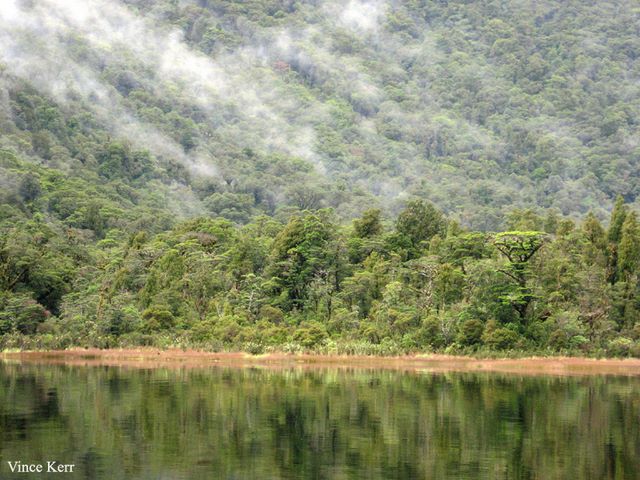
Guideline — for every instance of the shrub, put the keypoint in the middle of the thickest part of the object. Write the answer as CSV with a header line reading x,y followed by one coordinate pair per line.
x,y
371,333
342,320
254,348
271,314
227,329
620,347
471,332
559,340
501,338
579,341
429,333
202,331
157,318
310,335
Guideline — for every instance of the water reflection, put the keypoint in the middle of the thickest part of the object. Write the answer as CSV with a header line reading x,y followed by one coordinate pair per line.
x,y
252,423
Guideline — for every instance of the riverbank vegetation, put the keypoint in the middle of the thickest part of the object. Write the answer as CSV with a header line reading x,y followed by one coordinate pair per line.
x,y
420,283
302,176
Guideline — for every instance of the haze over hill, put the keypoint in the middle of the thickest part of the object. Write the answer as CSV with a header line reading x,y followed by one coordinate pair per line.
x,y
249,107
340,176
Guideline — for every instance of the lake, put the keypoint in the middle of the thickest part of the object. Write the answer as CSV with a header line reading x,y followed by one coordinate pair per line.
x,y
265,423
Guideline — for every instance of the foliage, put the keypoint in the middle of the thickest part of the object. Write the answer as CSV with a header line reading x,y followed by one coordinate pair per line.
x,y
214,284
425,187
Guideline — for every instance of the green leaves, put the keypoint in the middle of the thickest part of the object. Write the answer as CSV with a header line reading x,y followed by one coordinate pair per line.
x,y
519,248
302,252
629,249
419,222
20,313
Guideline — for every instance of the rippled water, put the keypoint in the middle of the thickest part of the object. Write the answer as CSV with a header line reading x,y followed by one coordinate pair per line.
x,y
118,423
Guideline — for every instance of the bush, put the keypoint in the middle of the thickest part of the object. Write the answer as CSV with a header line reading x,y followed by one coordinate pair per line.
x,y
254,348
471,332
559,340
579,341
310,335
620,347
227,329
501,338
272,334
635,331
157,318
403,322
429,333
371,332
20,313
136,339
409,343
202,331
123,321
271,314
342,320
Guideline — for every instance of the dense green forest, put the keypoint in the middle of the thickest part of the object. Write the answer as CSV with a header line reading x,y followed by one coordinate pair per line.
x,y
424,284
359,177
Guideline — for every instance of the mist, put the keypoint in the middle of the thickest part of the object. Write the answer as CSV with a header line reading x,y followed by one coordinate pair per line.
x,y
383,97
35,41
39,43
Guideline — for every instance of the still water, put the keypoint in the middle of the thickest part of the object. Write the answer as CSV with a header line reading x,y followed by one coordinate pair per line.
x,y
226,423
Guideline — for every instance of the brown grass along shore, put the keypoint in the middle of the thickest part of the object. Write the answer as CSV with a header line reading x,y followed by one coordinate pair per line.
x,y
176,358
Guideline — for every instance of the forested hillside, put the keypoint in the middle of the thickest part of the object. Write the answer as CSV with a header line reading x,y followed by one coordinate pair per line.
x,y
320,174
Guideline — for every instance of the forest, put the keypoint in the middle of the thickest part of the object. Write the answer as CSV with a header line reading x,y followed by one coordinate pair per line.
x,y
364,177
423,283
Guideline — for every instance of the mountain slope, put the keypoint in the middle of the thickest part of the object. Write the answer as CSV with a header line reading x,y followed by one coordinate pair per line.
x,y
206,174
257,106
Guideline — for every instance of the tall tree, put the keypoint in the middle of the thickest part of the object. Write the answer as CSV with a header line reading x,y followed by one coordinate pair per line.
x,y
302,253
519,248
419,222
629,248
369,225
614,235
596,238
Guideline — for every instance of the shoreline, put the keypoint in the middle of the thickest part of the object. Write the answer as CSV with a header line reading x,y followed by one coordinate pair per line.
x,y
437,363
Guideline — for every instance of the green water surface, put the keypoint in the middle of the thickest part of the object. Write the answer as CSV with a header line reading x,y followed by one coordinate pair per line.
x,y
226,423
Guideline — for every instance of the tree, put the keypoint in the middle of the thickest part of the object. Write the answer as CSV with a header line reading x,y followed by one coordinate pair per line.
x,y
369,225
618,215
626,292
463,248
419,222
30,188
595,236
302,253
519,248
33,258
499,338
471,332
614,235
94,220
21,313
629,248
365,238
307,197
526,219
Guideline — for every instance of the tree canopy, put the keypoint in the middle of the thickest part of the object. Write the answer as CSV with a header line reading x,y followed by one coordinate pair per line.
x,y
450,176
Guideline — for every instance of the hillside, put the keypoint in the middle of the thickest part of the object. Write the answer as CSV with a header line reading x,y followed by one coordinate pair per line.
x,y
252,107
183,169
